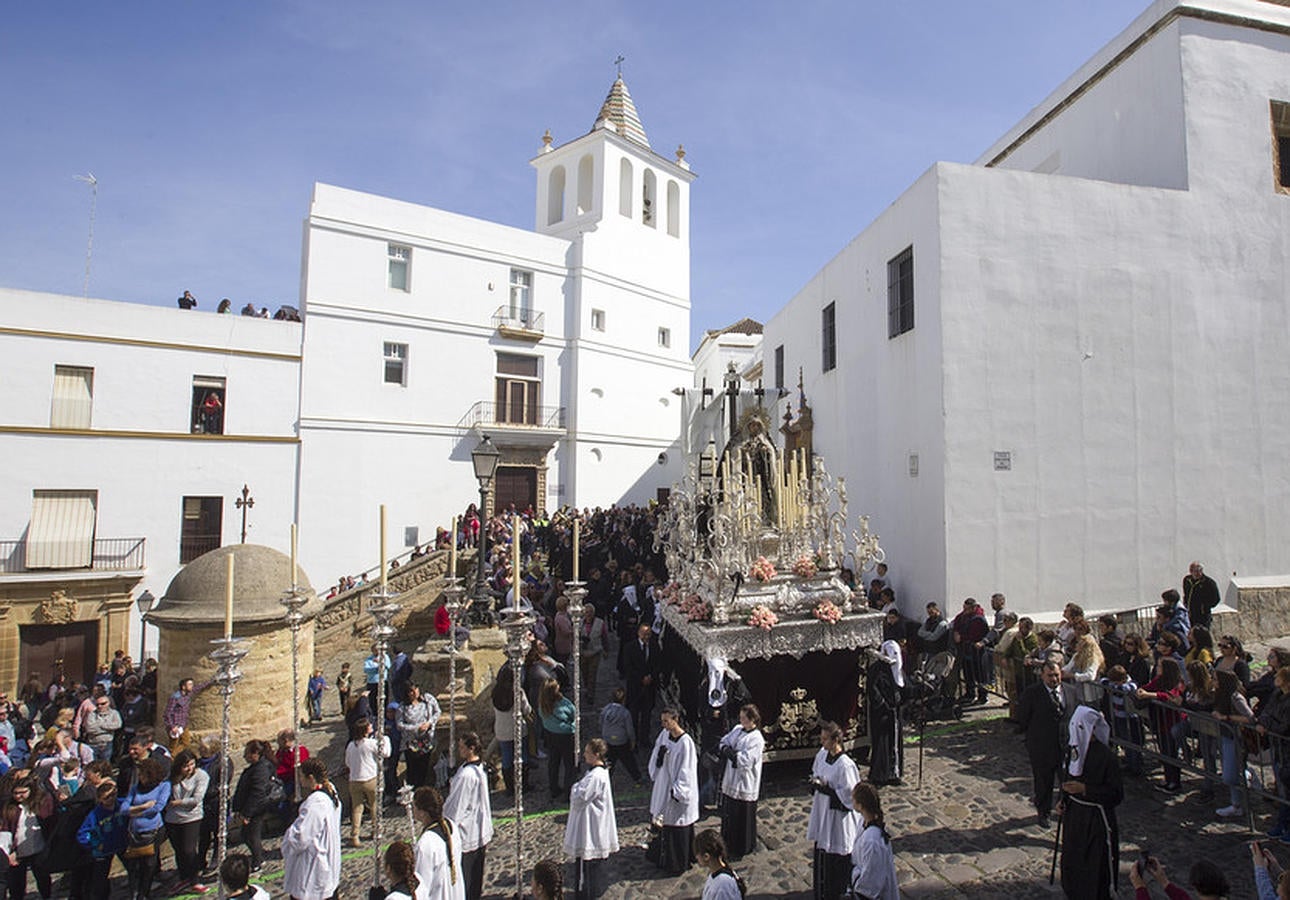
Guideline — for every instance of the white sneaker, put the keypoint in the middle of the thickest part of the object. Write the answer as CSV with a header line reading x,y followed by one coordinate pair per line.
x,y
1228,812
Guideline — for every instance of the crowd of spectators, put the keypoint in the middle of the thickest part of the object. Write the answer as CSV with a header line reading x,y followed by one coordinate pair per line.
x,y
225,306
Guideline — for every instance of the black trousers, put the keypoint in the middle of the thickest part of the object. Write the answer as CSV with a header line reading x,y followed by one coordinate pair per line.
x,y
100,886
627,756
253,837
1044,772
418,764
589,878
208,837
184,838
472,873
559,750
17,878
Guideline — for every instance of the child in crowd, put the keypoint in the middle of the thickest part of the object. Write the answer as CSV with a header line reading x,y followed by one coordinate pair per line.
x,y
235,872
343,683
67,781
317,684
620,734
1125,723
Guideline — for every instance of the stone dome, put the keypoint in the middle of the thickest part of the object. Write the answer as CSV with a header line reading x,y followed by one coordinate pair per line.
x,y
260,577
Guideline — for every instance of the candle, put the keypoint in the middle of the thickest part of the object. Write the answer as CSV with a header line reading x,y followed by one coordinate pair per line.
x,y
452,550
384,570
515,552
575,548
294,579
228,599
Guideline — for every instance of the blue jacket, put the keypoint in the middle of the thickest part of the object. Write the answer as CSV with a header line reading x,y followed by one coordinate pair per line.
x,y
561,719
103,832
151,819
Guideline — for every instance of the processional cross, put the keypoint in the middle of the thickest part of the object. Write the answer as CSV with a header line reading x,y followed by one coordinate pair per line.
x,y
245,502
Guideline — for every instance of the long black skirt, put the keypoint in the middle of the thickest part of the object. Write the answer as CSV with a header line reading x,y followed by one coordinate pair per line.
x,y
738,826
886,755
1090,850
676,848
832,874
590,878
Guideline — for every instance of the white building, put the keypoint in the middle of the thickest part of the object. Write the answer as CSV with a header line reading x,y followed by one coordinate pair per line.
x,y
738,343
425,330
1060,372
117,473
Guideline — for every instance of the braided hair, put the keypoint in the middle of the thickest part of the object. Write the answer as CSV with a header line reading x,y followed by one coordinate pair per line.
x,y
548,877
430,802
401,863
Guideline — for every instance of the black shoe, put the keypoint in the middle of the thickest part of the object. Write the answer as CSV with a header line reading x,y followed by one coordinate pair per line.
x,y
1044,821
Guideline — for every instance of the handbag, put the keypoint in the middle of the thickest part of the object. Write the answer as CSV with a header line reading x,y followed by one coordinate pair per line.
x,y
140,844
277,790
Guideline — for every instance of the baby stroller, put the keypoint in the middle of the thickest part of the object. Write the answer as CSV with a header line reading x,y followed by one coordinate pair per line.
x,y
933,689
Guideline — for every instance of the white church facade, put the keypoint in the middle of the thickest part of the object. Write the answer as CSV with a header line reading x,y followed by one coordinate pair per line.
x,y
1059,372
423,331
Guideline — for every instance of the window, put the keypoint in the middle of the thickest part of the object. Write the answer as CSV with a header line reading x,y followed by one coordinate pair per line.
x,y
829,337
665,337
208,408
779,368
396,363
649,195
597,320
61,535
521,308
900,293
625,188
1281,145
673,209
519,390
400,260
555,196
201,528
73,397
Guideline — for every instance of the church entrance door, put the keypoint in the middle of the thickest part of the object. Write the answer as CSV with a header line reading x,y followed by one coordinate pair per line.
x,y
518,485
43,647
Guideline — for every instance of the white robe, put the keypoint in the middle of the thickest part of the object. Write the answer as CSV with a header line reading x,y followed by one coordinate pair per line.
x,y
311,849
834,830
469,808
721,887
592,830
675,797
873,866
742,780
434,877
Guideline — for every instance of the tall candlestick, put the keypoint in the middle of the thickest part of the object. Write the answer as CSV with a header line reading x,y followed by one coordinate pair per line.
x,y
515,552
575,549
452,550
228,599
294,570
384,570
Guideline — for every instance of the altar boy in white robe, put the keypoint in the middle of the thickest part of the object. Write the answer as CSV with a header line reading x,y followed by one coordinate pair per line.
x,y
471,812
311,846
743,749
591,834
833,823
674,801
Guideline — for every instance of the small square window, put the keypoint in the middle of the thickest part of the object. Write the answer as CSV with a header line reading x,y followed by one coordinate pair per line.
x,y
597,320
396,363
665,337
400,267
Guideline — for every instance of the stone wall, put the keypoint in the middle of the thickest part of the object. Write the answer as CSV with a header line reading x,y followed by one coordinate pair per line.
x,y
262,699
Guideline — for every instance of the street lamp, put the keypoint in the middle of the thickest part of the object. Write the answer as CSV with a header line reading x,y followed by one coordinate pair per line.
x,y
484,458
144,602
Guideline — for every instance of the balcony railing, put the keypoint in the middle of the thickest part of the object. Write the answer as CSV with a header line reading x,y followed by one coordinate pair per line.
x,y
513,415
192,546
110,555
527,323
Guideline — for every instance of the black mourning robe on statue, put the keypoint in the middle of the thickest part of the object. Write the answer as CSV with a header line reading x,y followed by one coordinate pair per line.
x,y
1090,833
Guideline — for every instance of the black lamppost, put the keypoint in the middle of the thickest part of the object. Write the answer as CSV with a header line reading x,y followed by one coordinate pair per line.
x,y
144,602
484,458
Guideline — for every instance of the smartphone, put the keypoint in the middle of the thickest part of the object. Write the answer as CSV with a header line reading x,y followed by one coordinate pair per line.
x,y
1144,862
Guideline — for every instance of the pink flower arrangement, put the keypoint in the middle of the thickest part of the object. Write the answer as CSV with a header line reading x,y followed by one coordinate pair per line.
x,y
763,617
671,593
762,570
804,566
695,609
828,612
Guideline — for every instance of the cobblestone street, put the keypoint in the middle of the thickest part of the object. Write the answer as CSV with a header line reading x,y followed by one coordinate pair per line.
x,y
968,831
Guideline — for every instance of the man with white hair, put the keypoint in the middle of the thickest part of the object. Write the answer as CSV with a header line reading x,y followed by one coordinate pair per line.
x,y
1200,594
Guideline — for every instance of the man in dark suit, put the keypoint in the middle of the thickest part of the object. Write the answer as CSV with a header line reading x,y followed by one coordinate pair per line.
x,y
640,673
1043,715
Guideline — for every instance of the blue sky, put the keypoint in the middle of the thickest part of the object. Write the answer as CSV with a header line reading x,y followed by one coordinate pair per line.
x,y
207,124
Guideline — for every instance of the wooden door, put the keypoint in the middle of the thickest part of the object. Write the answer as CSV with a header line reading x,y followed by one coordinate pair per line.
x,y
43,648
516,484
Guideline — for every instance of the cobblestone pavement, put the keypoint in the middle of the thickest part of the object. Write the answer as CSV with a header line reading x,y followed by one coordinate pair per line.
x,y
968,831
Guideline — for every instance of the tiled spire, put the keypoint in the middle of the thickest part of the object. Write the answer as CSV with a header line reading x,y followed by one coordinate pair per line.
x,y
619,109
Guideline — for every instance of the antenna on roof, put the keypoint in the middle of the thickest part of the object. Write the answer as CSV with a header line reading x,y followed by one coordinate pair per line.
x,y
618,61
93,182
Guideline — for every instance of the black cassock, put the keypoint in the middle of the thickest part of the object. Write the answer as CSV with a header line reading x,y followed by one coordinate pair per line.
x,y
886,756
1090,833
